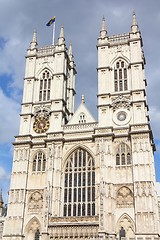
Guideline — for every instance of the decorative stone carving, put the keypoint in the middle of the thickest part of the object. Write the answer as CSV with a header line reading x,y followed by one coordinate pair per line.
x,y
35,202
42,111
124,198
121,102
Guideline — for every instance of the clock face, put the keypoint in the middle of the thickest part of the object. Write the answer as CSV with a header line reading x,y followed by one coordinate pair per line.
x,y
121,116
41,125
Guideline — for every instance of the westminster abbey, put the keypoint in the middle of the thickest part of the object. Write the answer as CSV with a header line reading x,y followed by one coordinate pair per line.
x,y
75,177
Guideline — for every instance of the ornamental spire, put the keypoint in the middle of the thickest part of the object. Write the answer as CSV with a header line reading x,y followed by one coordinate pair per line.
x,y
103,32
33,43
82,99
134,27
61,39
70,52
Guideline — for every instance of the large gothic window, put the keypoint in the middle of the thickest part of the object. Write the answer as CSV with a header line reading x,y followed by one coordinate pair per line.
x,y
120,76
45,86
39,162
79,184
123,155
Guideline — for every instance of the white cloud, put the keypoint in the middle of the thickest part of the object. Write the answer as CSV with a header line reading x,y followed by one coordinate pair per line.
x,y
155,120
9,115
3,174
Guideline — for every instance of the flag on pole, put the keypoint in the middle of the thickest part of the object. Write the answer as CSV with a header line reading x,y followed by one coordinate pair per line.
x,y
52,20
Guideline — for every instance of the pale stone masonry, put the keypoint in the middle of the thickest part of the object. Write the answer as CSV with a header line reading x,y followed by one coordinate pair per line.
x,y
74,177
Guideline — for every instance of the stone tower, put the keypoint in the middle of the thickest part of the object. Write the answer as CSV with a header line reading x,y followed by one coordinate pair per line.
x,y
74,177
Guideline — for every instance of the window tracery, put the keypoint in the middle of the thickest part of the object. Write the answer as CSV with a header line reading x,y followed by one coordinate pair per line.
x,y
45,86
79,184
39,162
123,155
120,76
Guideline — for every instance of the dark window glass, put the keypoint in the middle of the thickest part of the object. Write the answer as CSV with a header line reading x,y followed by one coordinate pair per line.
x,y
65,195
93,208
120,86
115,74
117,159
93,194
83,195
39,165
37,235
74,209
34,166
89,194
89,209
125,85
128,158
75,195
65,210
89,178
83,209
70,195
125,73
66,180
44,165
84,179
93,178
69,210
70,179
40,96
79,209
79,179
116,86
75,179
79,194
117,64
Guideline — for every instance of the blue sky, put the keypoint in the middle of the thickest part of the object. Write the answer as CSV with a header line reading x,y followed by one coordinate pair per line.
x,y
82,21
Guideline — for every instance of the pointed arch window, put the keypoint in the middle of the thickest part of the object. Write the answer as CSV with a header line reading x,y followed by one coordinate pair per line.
x,y
39,162
79,184
120,76
123,155
45,86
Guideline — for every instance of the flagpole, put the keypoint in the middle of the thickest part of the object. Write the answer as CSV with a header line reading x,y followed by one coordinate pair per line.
x,y
53,32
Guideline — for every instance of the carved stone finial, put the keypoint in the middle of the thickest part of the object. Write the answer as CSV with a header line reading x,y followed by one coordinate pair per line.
x,y
82,99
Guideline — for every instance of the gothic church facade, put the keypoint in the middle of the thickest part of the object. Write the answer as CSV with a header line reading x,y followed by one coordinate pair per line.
x,y
74,177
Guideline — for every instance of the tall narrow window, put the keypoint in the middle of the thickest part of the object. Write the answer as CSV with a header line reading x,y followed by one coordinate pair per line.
x,y
39,162
45,86
123,156
79,184
120,76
